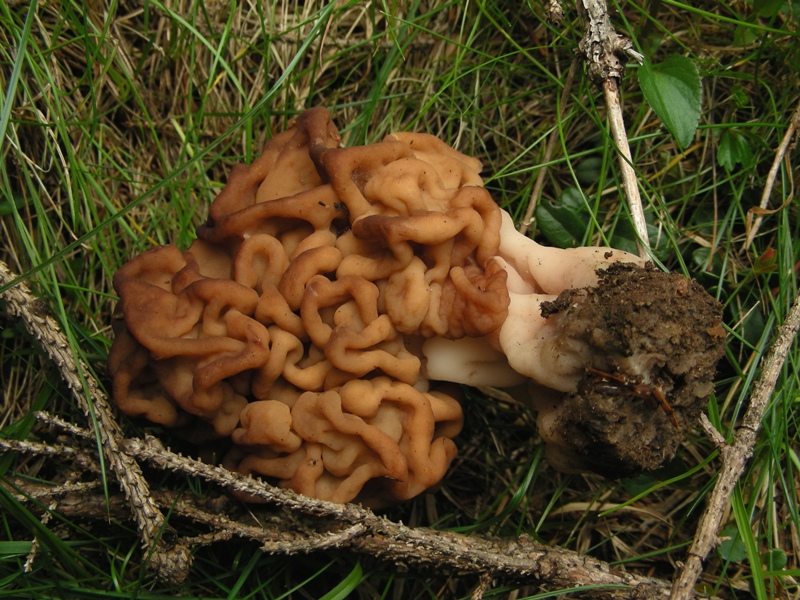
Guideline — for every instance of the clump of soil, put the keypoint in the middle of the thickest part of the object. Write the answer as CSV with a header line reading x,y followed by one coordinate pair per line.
x,y
655,341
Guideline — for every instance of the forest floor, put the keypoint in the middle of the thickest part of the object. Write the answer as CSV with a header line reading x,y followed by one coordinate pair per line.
x,y
120,123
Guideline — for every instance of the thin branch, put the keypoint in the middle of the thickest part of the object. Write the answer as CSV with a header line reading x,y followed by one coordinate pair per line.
x,y
41,449
307,524
735,456
170,562
625,160
53,422
606,53
751,226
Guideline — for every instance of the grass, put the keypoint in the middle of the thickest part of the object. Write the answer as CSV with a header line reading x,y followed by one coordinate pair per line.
x,y
120,122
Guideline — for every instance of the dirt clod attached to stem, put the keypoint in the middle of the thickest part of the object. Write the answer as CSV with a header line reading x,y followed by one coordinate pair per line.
x,y
653,336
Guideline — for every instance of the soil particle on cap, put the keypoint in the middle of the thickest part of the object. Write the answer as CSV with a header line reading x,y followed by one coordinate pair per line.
x,y
655,339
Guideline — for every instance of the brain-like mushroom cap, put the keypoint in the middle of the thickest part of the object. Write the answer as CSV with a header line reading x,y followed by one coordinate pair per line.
x,y
293,324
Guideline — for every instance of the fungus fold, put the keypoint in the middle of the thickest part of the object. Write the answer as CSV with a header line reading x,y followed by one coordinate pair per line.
x,y
333,292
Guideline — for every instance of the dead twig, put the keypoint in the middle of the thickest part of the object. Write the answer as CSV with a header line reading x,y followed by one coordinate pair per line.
x,y
606,53
736,455
308,524
752,226
513,560
170,562
40,449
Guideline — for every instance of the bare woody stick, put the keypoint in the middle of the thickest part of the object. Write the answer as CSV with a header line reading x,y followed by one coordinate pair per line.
x,y
751,226
518,560
170,563
310,527
606,53
350,527
736,455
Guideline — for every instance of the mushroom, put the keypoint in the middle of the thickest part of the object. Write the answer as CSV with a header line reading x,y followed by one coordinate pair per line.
x,y
333,292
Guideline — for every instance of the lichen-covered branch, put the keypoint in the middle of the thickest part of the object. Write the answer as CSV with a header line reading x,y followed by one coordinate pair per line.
x,y
606,51
308,524
169,561
736,455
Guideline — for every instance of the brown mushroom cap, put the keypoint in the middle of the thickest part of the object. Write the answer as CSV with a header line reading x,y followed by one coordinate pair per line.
x,y
293,324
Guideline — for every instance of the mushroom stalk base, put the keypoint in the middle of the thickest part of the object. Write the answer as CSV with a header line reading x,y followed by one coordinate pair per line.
x,y
651,341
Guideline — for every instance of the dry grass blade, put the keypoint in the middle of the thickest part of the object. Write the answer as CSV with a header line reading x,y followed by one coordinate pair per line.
x,y
527,220
753,224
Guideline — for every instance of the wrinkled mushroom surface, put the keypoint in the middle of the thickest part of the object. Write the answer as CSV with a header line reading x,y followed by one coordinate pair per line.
x,y
293,323
332,291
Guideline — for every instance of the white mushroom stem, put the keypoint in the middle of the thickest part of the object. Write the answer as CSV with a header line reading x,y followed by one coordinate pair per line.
x,y
471,361
527,343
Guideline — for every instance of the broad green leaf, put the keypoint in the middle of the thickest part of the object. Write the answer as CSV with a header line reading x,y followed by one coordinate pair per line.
x,y
752,326
700,257
733,149
588,170
6,203
744,35
672,87
732,546
774,560
624,238
741,97
563,222
767,8
639,484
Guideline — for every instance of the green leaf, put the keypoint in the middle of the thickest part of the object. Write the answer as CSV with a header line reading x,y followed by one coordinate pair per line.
x,y
752,326
563,222
740,97
672,87
588,170
639,484
732,546
11,205
13,548
624,238
767,8
774,560
744,34
700,257
733,149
